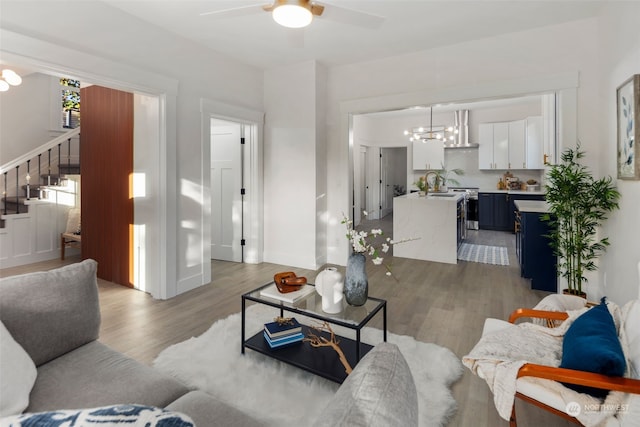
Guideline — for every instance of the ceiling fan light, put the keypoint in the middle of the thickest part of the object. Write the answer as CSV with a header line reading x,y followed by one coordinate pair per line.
x,y
11,77
4,86
292,15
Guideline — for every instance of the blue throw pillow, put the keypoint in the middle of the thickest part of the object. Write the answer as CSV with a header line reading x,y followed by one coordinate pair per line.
x,y
108,416
591,344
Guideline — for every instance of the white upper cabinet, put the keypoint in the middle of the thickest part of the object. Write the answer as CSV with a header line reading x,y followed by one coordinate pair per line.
x,y
517,145
511,145
493,152
428,155
535,143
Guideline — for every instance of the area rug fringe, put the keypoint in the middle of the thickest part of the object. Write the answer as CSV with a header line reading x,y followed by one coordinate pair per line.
x,y
497,255
282,395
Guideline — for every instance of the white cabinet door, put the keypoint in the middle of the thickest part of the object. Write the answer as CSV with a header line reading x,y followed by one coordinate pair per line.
x,y
494,146
549,128
535,143
435,154
428,155
485,149
517,150
501,145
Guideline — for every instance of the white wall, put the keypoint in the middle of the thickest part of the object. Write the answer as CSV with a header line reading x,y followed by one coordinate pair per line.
x,y
146,214
320,168
604,52
484,63
290,159
619,51
24,116
179,71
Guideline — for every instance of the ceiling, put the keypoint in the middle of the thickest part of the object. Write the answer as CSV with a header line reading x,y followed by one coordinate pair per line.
x,y
255,39
408,26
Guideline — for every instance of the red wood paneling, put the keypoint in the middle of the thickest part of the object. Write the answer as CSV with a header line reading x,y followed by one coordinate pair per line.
x,y
107,165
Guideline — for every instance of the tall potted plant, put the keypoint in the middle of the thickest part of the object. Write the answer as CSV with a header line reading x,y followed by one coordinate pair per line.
x,y
578,205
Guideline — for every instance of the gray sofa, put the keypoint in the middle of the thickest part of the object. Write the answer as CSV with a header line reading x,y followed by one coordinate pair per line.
x,y
55,317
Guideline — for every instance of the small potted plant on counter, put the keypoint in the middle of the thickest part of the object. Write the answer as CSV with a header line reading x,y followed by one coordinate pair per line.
x,y
578,205
421,183
442,177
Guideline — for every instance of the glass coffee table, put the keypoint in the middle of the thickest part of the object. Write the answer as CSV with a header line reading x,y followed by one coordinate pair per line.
x,y
320,361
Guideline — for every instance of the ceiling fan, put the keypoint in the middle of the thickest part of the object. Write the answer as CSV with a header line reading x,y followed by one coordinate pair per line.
x,y
300,13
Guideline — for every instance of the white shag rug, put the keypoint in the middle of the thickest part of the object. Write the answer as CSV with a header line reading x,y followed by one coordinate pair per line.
x,y
283,395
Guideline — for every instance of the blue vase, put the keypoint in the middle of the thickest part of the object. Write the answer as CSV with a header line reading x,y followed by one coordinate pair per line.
x,y
356,285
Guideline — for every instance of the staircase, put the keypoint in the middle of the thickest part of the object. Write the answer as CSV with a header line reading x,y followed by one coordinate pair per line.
x,y
38,189
52,163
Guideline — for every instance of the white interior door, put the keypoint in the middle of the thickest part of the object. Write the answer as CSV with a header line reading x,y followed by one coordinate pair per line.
x,y
362,187
226,184
373,182
386,178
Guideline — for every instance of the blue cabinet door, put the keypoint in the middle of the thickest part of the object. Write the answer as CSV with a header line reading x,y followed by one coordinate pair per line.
x,y
485,211
501,219
537,259
493,211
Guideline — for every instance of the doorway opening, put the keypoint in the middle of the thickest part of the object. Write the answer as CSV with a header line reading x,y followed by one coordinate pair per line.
x,y
232,208
381,176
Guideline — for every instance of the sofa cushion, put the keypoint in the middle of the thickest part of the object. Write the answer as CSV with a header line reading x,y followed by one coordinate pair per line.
x,y
96,375
50,313
17,375
117,415
379,392
207,411
591,344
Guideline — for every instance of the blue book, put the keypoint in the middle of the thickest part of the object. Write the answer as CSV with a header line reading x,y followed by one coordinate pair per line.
x,y
283,341
276,330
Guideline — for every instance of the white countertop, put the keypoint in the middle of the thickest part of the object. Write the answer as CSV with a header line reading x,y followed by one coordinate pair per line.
x,y
452,196
493,190
535,206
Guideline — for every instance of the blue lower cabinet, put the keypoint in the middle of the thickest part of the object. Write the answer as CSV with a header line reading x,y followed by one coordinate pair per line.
x,y
493,212
537,261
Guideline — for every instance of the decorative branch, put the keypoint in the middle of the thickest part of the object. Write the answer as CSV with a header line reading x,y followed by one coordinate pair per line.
x,y
320,341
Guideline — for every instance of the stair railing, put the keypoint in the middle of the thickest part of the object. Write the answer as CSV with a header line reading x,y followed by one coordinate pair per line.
x,y
26,158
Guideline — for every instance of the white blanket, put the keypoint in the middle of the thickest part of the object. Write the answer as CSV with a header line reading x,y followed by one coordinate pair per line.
x,y
499,355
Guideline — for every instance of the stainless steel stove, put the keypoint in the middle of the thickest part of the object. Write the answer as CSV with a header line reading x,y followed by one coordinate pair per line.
x,y
472,205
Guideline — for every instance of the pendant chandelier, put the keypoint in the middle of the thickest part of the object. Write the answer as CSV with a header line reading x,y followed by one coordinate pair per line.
x,y
440,133
9,78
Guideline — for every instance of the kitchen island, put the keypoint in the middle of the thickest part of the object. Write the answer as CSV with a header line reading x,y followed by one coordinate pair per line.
x,y
433,220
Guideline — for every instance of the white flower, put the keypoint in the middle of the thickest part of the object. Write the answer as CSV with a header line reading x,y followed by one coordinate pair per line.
x,y
369,243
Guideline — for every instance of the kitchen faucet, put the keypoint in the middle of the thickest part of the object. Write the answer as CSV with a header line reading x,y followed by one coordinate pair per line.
x,y
436,187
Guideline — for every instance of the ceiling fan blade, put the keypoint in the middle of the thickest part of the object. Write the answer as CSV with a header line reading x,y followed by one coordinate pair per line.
x,y
235,11
351,17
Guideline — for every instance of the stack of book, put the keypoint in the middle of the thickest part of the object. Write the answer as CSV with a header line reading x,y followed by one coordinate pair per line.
x,y
283,332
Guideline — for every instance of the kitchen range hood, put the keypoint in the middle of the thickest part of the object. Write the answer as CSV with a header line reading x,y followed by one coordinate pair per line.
x,y
461,139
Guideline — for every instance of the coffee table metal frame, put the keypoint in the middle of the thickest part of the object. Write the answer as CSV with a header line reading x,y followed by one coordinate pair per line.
x,y
302,355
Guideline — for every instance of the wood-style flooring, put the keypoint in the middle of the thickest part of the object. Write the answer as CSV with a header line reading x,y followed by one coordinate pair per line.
x,y
433,302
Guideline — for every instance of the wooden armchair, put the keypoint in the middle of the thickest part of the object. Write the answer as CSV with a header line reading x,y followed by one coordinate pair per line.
x,y
550,402
71,237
